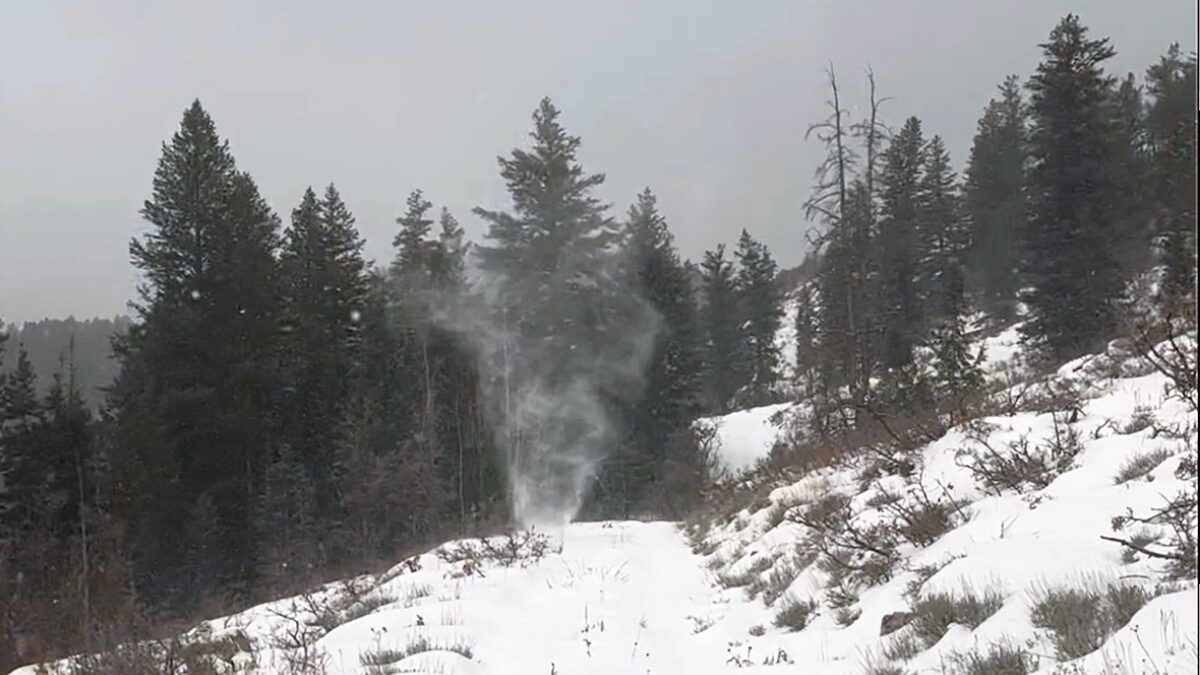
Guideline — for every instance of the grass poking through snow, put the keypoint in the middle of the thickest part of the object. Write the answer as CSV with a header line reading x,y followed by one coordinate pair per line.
x,y
933,614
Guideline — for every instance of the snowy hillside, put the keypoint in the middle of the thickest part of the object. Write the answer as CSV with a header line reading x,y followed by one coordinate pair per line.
x,y
968,563
972,569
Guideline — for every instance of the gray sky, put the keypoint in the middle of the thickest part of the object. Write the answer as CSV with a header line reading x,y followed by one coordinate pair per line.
x,y
704,101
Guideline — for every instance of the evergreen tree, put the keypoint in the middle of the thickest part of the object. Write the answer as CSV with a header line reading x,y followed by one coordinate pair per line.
x,y
1068,267
957,375
549,252
324,295
1171,127
669,399
448,265
65,457
287,516
412,242
901,312
1129,175
760,311
994,200
559,303
807,345
195,402
943,237
723,356
21,450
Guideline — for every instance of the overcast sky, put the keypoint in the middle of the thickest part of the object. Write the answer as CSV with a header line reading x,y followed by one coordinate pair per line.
x,y
705,102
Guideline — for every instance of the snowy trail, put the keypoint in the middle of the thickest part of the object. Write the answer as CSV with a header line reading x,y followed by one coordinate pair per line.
x,y
616,600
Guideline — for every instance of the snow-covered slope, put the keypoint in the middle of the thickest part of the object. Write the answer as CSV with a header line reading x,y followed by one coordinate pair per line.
x,y
1011,544
755,591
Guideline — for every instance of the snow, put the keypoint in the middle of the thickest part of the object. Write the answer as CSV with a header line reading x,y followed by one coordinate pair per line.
x,y
633,597
744,437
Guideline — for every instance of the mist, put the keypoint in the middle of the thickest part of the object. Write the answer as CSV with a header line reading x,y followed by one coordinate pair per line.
x,y
550,407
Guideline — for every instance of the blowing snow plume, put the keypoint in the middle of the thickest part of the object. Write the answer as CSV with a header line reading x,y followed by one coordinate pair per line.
x,y
553,397
561,340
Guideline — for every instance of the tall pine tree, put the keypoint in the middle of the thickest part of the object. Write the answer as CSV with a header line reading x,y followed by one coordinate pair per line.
x,y
196,399
1129,176
1069,270
724,372
943,237
760,312
901,311
669,400
994,201
1171,127
324,296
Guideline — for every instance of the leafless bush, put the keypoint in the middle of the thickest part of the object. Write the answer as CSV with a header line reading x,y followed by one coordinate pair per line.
x,y
1056,395
196,653
518,548
1015,388
1020,466
1179,514
297,635
1167,342
825,513
922,519
851,553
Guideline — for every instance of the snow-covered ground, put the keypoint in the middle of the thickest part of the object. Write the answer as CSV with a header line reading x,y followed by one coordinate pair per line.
x,y
742,438
659,599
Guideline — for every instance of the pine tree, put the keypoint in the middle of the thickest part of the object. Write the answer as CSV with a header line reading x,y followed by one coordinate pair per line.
x,y
21,449
957,375
669,399
324,295
550,250
807,345
196,399
1129,174
412,242
994,200
1068,266
943,237
760,312
723,356
66,455
1171,126
3,376
448,265
287,516
901,312
559,304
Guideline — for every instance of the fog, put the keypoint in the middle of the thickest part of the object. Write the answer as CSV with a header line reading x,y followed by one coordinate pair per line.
x,y
705,102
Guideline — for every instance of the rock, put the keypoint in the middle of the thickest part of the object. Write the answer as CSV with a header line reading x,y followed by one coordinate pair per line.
x,y
894,622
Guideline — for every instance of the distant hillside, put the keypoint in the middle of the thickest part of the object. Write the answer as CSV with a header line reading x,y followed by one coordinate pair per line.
x,y
48,341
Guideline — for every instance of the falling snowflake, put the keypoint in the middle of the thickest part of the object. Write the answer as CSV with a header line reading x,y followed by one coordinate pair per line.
x,y
195,294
